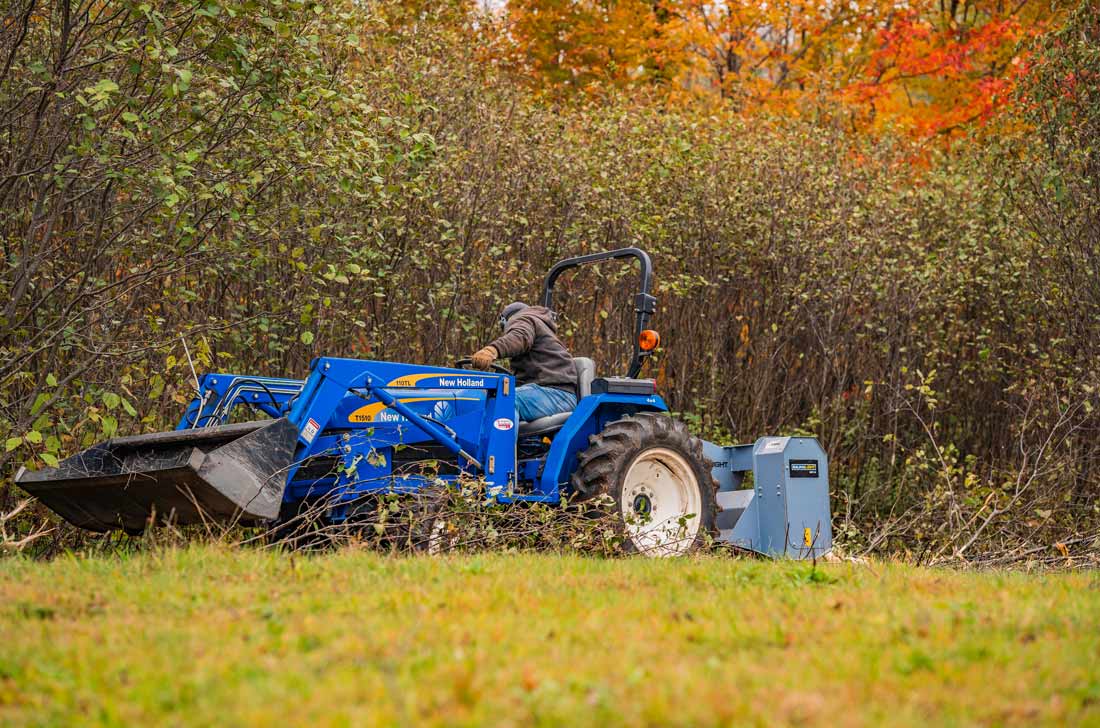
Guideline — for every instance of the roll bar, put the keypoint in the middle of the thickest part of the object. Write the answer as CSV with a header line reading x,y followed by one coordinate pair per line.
x,y
645,305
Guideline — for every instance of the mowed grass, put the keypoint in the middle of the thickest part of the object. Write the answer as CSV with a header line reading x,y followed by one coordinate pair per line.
x,y
212,636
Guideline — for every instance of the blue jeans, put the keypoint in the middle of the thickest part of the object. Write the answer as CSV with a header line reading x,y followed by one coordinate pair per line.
x,y
534,401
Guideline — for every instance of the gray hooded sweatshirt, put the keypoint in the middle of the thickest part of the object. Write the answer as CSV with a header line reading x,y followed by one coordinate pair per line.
x,y
530,340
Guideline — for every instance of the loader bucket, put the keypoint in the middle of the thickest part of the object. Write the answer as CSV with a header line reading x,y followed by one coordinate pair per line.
x,y
205,475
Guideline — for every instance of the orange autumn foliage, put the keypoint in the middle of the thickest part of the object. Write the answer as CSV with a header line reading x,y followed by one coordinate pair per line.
x,y
926,67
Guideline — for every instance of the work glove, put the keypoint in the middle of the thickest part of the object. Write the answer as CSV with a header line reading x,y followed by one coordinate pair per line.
x,y
484,358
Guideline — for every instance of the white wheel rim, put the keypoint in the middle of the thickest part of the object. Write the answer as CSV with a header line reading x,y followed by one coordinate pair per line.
x,y
661,504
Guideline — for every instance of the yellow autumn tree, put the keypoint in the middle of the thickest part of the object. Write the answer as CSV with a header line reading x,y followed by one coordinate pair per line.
x,y
582,45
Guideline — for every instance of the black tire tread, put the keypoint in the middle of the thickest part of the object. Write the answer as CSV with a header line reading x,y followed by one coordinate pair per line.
x,y
603,463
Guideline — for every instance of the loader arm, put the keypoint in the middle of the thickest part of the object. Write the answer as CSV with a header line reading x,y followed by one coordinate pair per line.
x,y
331,381
221,393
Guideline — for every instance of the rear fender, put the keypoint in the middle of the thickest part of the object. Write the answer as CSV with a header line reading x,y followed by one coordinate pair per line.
x,y
592,414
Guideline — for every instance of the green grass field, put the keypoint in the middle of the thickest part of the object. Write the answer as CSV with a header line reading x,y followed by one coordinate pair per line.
x,y
210,636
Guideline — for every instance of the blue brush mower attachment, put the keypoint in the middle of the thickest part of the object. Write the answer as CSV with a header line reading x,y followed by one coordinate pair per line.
x,y
785,509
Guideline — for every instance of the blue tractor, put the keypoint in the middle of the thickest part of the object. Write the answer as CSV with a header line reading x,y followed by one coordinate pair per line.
x,y
356,429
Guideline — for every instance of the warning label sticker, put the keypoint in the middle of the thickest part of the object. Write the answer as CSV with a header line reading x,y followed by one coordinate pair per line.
x,y
310,430
773,444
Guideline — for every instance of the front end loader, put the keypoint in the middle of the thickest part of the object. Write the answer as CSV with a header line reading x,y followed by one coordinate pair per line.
x,y
356,430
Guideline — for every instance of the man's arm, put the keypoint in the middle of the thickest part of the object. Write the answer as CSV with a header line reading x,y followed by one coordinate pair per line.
x,y
518,337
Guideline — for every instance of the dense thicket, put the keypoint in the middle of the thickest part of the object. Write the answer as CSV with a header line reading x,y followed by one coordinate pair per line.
x,y
276,180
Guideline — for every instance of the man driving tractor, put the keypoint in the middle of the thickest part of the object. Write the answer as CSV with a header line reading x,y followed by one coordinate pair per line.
x,y
546,378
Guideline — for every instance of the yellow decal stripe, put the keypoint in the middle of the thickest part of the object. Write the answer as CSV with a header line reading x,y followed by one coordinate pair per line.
x,y
368,412
411,380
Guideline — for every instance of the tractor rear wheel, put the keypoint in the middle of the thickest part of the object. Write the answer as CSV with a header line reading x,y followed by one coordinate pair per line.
x,y
655,473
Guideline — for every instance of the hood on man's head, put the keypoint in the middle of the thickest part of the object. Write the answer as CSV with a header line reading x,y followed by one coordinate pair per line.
x,y
509,313
543,314
511,310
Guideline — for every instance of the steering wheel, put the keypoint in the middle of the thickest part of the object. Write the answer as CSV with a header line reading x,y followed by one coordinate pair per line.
x,y
465,362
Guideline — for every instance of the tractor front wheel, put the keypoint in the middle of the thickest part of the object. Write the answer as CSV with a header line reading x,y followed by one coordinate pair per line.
x,y
654,471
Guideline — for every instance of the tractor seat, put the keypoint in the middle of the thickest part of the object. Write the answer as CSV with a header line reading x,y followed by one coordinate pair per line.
x,y
586,372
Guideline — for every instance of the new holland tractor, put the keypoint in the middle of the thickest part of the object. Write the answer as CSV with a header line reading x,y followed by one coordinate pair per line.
x,y
355,429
